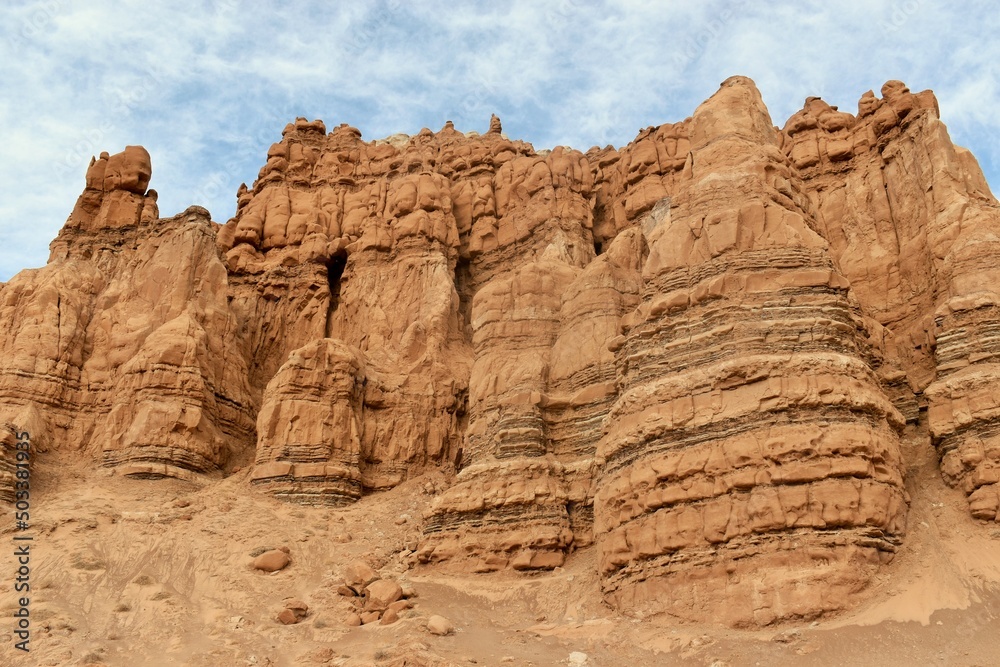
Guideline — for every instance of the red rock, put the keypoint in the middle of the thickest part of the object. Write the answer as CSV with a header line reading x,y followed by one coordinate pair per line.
x,y
439,625
288,617
712,493
129,170
380,594
359,574
375,310
272,561
389,616
399,605
296,605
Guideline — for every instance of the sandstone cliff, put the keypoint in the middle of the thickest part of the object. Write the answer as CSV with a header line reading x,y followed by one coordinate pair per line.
x,y
701,353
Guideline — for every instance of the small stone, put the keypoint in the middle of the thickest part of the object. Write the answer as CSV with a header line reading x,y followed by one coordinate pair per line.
x,y
272,561
295,610
369,617
400,520
439,625
288,617
578,659
352,620
323,656
786,636
389,617
296,604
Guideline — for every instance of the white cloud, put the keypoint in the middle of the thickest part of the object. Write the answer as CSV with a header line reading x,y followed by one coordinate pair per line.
x,y
207,85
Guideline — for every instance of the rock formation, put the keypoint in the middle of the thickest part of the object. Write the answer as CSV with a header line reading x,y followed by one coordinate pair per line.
x,y
124,343
913,225
751,445
309,435
699,352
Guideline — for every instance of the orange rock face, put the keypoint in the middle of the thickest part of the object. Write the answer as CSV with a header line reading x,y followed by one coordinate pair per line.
x,y
751,444
697,354
309,435
124,345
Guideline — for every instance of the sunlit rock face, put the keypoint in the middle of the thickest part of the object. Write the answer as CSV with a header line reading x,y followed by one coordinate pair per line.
x,y
752,469
698,354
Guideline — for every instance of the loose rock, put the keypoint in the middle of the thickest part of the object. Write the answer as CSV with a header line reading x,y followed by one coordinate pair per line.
x,y
272,561
295,610
359,574
439,625
382,593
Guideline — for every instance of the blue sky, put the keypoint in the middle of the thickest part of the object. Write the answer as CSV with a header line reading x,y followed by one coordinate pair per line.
x,y
208,86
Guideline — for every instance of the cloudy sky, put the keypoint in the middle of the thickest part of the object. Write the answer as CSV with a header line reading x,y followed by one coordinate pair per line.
x,y
208,86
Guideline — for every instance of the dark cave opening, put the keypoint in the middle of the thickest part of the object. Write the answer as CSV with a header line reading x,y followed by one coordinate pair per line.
x,y
334,272
463,285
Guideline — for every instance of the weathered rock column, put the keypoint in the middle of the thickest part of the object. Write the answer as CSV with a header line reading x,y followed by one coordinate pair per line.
x,y
751,462
308,429
508,506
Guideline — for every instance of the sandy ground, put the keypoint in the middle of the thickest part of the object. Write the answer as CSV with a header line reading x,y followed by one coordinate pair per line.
x,y
137,572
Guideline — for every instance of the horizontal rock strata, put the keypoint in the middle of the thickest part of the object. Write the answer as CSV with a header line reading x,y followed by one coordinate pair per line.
x,y
751,466
308,429
124,342
696,351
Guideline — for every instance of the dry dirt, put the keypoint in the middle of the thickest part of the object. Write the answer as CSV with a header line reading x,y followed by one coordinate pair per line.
x,y
157,572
